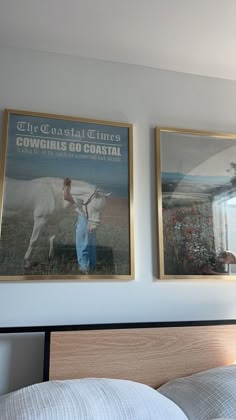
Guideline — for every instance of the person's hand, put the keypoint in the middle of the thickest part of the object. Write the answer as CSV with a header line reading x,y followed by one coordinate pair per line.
x,y
67,182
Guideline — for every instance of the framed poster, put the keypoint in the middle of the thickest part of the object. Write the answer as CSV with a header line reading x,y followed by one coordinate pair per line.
x,y
196,201
66,189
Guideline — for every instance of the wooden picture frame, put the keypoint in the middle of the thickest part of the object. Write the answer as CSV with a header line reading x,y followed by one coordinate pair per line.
x,y
196,202
72,177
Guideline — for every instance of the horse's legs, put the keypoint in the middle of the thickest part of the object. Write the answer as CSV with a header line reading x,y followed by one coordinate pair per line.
x,y
51,250
39,222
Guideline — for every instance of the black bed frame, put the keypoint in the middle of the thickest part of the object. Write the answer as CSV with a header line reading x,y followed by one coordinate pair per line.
x,y
48,329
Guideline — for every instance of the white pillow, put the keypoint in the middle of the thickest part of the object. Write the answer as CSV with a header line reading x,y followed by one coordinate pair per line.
x,y
206,395
88,399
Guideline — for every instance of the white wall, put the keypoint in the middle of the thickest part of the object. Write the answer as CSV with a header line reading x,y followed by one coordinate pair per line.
x,y
145,97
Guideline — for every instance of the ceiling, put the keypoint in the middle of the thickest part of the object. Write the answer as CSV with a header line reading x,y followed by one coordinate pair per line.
x,y
190,36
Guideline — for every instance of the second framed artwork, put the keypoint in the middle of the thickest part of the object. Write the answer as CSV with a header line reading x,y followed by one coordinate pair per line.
x,y
66,194
196,199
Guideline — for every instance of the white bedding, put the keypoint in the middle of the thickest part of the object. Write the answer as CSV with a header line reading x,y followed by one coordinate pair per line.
x,y
206,395
88,399
209,395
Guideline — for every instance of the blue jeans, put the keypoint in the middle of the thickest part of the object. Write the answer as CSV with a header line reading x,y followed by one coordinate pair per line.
x,y
85,245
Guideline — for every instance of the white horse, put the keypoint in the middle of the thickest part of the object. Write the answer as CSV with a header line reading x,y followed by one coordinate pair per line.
x,y
43,199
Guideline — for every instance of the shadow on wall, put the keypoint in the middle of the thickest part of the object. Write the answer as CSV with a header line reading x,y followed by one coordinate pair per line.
x,y
21,360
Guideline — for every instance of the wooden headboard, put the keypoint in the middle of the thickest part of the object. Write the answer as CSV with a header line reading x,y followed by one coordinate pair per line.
x,y
151,353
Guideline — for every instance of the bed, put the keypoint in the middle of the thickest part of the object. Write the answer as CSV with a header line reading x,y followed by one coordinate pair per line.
x,y
175,370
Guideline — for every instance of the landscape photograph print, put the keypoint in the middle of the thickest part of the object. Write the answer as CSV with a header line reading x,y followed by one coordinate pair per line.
x,y
66,188
196,199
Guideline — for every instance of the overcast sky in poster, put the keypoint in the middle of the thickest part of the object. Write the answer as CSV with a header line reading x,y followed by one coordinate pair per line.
x,y
111,175
196,155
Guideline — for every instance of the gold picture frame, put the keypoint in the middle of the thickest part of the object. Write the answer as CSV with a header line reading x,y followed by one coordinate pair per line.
x,y
72,177
196,204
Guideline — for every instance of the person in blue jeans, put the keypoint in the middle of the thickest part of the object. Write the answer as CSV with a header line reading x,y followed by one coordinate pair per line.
x,y
85,245
85,238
